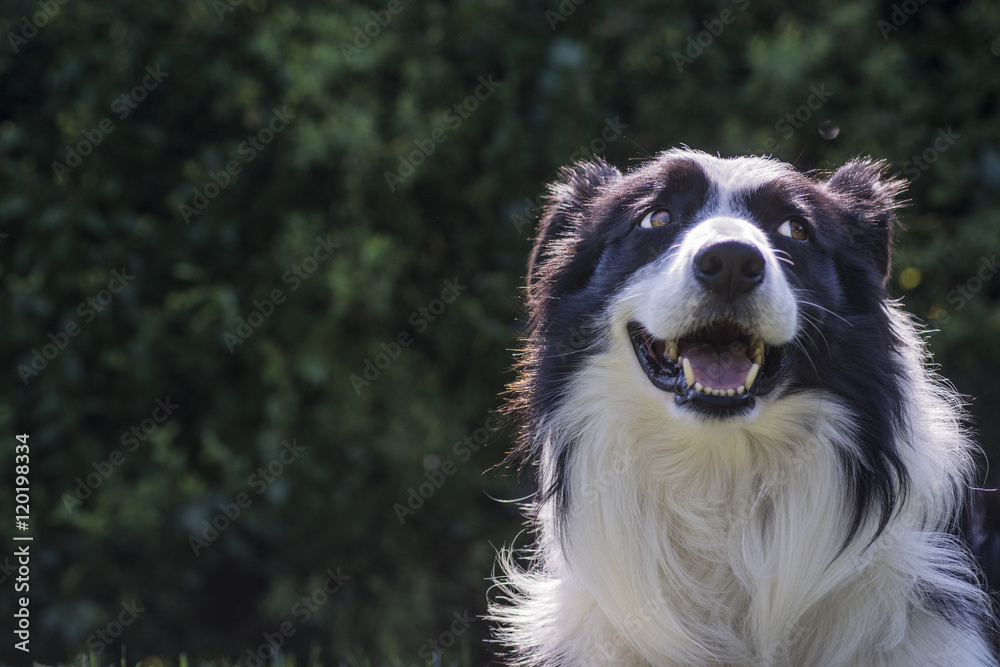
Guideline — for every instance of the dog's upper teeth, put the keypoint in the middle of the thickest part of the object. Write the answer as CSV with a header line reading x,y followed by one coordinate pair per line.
x,y
689,374
703,354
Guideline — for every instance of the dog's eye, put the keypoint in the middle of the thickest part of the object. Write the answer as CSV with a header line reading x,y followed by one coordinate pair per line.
x,y
658,217
794,229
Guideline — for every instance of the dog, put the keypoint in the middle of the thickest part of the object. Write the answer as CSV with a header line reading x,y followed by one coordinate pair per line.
x,y
741,455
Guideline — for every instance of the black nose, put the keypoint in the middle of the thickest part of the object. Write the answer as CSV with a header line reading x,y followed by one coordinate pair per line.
x,y
729,268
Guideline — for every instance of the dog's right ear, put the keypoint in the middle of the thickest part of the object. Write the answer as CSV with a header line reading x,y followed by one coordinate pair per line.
x,y
869,197
559,258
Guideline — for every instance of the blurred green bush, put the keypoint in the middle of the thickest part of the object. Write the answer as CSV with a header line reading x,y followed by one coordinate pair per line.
x,y
306,223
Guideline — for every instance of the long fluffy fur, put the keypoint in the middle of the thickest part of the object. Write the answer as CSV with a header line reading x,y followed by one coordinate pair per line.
x,y
820,532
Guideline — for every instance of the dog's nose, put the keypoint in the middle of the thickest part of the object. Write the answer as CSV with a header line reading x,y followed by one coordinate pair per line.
x,y
729,268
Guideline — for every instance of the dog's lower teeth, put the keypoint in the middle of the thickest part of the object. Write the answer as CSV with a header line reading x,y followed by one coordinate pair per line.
x,y
710,391
670,350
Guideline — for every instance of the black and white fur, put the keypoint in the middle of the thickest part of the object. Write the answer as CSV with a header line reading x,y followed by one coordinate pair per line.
x,y
808,520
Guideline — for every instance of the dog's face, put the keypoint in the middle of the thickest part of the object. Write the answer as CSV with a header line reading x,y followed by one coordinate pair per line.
x,y
734,281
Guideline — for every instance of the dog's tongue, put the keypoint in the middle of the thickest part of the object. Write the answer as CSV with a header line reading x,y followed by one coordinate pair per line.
x,y
723,367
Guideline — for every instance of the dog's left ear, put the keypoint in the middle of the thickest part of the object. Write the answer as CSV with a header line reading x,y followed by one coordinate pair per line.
x,y
558,252
869,199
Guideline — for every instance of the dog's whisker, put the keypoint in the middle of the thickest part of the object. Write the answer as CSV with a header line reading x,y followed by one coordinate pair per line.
x,y
827,310
783,256
805,353
786,260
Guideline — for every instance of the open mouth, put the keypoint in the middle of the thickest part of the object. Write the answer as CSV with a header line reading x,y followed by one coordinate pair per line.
x,y
720,367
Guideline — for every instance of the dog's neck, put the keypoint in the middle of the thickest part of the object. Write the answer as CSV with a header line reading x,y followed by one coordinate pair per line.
x,y
713,539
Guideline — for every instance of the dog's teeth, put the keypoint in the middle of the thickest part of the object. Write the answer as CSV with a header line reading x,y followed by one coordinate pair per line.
x,y
741,389
730,392
688,373
697,385
757,351
752,375
672,351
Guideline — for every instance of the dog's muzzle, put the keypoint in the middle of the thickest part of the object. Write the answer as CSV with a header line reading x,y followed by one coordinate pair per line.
x,y
722,364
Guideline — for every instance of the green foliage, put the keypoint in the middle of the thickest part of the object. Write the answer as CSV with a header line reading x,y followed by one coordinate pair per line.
x,y
421,155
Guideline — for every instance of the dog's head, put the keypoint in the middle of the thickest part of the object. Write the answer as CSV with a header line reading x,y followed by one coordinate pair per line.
x,y
729,273
730,282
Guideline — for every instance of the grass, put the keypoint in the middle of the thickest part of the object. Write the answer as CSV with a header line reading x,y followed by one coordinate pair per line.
x,y
92,660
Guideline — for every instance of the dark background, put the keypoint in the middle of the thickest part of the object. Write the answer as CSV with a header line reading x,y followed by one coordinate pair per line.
x,y
916,84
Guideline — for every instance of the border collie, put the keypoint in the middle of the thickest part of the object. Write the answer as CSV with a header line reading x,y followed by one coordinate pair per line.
x,y
741,455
